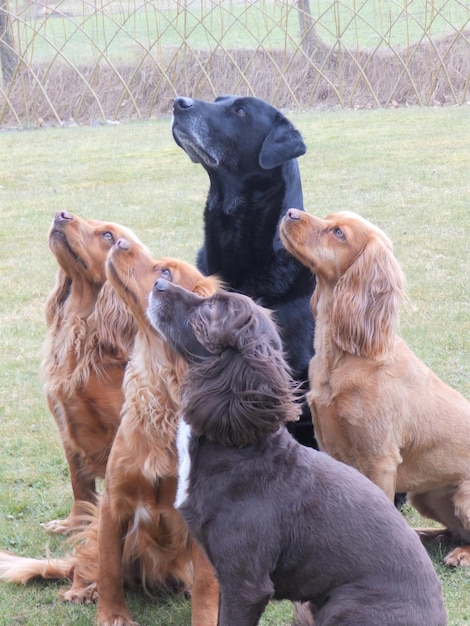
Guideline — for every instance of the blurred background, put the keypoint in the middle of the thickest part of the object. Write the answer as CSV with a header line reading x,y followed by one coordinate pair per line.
x,y
71,61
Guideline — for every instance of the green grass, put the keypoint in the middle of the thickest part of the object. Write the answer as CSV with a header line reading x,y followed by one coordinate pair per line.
x,y
406,170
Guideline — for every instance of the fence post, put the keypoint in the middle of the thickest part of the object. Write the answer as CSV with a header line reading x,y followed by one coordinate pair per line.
x,y
7,51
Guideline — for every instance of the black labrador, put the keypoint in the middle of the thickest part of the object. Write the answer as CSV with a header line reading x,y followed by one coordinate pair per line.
x,y
249,150
277,519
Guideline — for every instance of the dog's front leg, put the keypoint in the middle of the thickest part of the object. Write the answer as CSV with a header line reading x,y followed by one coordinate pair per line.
x,y
112,610
205,591
242,605
83,488
81,591
384,474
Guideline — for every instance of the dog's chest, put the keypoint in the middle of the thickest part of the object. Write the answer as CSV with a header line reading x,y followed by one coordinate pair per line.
x,y
240,255
184,462
242,233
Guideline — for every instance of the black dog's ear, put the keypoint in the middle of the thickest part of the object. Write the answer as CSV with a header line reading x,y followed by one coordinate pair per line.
x,y
282,144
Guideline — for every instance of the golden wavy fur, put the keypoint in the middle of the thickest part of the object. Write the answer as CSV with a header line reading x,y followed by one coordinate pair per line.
x,y
142,469
136,536
89,339
376,406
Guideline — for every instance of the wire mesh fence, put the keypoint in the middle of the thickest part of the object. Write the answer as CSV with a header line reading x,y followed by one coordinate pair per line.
x,y
74,61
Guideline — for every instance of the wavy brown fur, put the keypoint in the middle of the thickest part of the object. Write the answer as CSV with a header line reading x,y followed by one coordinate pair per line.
x,y
135,537
245,389
377,406
87,346
141,536
266,509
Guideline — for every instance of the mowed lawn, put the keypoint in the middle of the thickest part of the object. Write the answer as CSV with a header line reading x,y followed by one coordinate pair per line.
x,y
407,170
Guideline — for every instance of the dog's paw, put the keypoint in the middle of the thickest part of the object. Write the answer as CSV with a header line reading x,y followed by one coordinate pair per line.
x,y
432,535
81,594
303,614
459,557
115,619
58,526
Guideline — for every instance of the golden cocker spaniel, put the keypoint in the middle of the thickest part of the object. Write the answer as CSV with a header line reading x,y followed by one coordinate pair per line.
x,y
376,406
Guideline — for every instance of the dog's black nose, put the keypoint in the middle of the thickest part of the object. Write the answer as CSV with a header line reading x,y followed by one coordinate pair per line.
x,y
183,103
161,285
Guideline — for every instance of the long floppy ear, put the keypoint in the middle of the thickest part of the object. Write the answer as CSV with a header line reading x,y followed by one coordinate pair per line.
x,y
242,393
58,295
314,301
115,326
207,286
364,314
282,144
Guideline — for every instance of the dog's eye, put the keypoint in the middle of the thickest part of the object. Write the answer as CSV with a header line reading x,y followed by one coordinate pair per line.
x,y
339,233
240,111
108,236
166,273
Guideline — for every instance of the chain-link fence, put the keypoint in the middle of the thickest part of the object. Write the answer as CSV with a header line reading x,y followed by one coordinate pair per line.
x,y
74,60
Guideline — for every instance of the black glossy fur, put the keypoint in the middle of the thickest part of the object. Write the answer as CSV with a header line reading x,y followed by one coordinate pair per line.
x,y
279,520
249,151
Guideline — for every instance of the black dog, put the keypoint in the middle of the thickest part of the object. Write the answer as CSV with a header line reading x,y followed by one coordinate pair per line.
x,y
276,519
249,150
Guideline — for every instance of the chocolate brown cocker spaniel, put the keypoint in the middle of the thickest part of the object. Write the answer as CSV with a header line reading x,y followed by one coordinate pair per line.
x,y
277,519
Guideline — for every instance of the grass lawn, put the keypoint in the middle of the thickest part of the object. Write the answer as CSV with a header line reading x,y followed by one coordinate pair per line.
x,y
407,170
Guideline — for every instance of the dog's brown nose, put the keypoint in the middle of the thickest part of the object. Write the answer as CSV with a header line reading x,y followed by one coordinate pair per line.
x,y
123,244
63,216
293,214
182,103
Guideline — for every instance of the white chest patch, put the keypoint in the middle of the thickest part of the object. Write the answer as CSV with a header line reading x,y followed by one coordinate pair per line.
x,y
184,461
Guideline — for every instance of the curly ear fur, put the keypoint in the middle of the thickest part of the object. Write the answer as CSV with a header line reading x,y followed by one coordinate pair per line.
x,y
207,286
364,313
245,390
57,296
114,326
